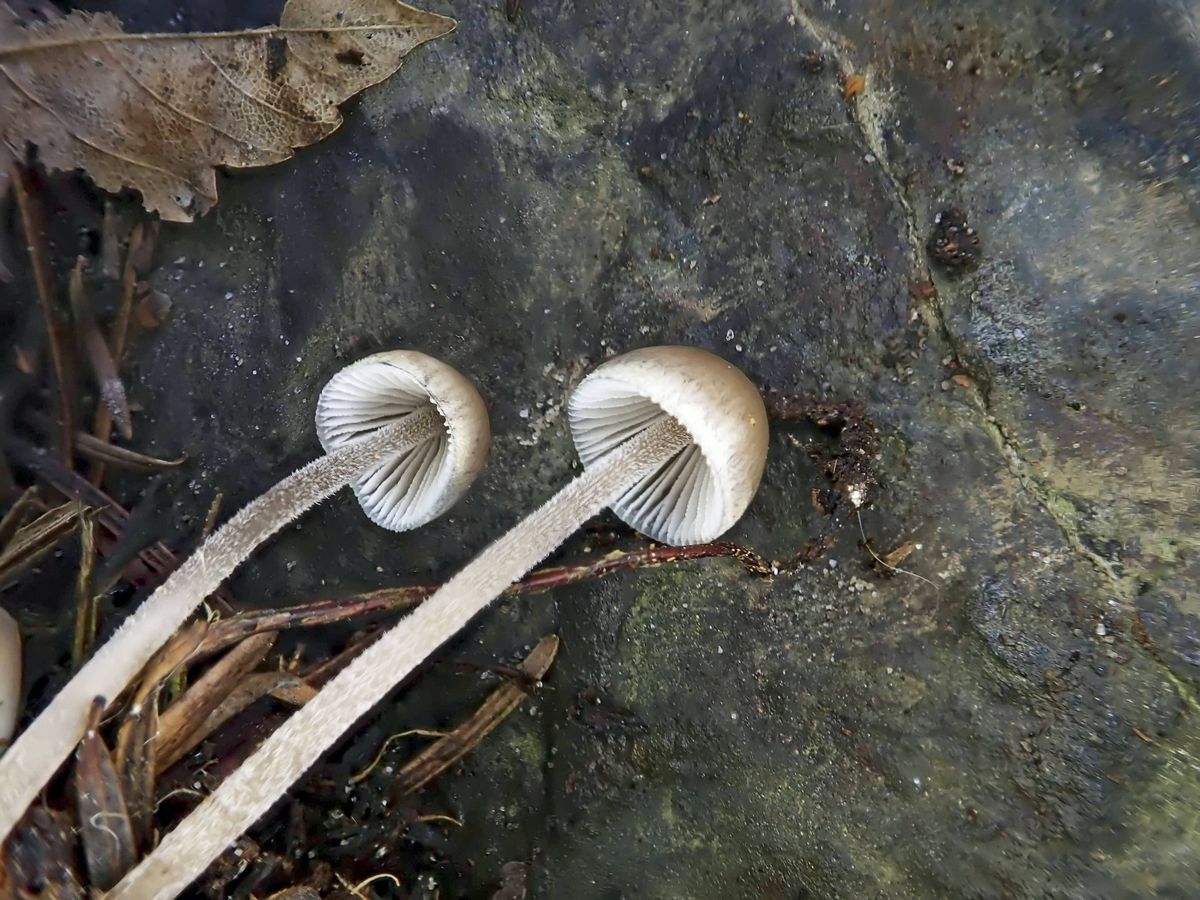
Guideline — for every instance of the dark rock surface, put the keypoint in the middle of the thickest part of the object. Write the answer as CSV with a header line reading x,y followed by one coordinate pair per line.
x,y
529,196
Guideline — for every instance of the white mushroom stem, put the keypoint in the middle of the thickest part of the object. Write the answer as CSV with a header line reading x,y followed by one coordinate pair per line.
x,y
37,753
284,756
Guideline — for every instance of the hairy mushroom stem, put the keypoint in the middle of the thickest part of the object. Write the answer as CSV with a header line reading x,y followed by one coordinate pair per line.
x,y
37,753
284,756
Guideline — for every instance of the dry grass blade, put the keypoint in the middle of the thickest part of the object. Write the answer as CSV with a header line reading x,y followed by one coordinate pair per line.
x,y
104,826
87,604
283,686
442,754
157,112
17,514
39,537
104,368
187,715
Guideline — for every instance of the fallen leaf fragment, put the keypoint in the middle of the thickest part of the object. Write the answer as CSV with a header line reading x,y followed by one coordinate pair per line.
x,y
158,112
104,826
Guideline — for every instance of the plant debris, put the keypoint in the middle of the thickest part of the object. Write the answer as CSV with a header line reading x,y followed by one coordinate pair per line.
x,y
186,716
33,220
853,86
104,368
38,861
954,245
86,601
159,112
104,828
448,750
33,541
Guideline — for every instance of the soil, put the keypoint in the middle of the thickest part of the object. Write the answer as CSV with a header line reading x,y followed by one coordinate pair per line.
x,y
1015,714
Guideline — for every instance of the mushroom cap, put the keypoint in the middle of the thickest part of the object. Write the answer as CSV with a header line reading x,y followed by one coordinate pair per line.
x,y
704,489
417,485
10,676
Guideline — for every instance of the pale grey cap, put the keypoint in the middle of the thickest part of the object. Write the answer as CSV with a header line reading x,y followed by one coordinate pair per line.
x,y
418,485
704,489
10,676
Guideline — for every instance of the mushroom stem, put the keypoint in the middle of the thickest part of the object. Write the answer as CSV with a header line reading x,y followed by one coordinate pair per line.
x,y
35,756
284,756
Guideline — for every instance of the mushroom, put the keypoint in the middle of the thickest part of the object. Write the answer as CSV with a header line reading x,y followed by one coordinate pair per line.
x,y
410,432
674,439
10,676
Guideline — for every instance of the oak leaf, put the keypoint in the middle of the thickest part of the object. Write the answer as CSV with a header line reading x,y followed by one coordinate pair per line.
x,y
158,112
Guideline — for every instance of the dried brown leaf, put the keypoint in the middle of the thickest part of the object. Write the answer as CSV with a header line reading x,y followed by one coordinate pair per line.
x,y
104,826
158,112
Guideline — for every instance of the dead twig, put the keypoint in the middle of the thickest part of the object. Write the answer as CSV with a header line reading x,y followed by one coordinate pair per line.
x,y
93,448
33,220
140,248
282,686
137,744
444,753
17,383
183,718
400,599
